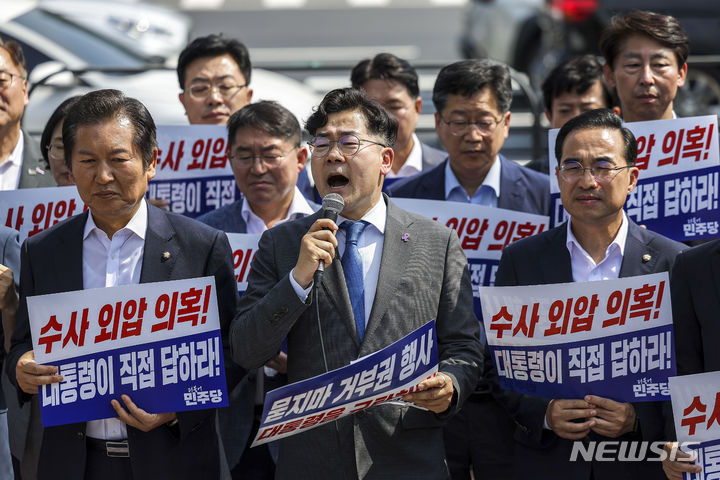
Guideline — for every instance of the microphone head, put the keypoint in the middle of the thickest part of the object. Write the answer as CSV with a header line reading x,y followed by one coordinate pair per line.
x,y
333,202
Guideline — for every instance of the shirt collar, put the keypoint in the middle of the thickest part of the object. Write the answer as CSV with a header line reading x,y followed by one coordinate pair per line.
x,y
414,160
377,216
137,224
492,179
298,206
618,242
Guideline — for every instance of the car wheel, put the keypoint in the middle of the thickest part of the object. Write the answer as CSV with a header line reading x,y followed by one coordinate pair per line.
x,y
700,95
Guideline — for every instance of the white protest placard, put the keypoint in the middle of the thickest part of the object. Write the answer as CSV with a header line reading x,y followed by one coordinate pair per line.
x,y
244,247
677,193
384,376
610,338
32,210
193,172
160,343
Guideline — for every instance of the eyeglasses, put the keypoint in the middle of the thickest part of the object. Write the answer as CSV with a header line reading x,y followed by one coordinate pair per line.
x,y
247,159
486,126
226,89
601,171
56,150
348,145
7,79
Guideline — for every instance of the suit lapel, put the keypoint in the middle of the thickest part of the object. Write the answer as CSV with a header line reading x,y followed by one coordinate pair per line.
x,y
510,193
639,258
555,263
433,185
394,258
161,248
70,262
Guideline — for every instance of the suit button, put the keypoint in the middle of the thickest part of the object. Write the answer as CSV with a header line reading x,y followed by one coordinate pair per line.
x,y
80,435
279,313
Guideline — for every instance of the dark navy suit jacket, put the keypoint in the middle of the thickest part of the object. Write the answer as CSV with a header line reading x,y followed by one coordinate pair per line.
x,y
51,262
521,189
545,259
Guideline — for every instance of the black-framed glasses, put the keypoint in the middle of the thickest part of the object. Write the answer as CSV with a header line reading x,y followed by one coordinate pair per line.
x,y
7,79
485,125
348,145
226,89
246,159
601,171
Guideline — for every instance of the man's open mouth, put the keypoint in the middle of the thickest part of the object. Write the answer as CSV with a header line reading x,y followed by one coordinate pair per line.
x,y
337,180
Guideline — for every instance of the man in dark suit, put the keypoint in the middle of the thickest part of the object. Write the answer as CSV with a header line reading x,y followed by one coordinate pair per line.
x,y
393,83
21,164
596,172
472,101
472,119
407,271
111,152
266,158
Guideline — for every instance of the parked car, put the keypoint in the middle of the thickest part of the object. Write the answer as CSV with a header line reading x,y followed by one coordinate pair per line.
x,y
66,59
535,35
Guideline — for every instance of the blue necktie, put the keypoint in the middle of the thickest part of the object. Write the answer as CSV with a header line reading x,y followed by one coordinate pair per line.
x,y
353,269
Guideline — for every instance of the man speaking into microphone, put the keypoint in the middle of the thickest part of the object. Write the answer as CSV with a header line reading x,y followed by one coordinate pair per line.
x,y
387,272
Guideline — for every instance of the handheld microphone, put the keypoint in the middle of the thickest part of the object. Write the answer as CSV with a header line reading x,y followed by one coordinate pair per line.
x,y
332,205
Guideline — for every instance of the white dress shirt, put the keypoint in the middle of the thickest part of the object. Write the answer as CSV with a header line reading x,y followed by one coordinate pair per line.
x,y
108,263
299,206
486,194
370,247
413,164
10,168
584,268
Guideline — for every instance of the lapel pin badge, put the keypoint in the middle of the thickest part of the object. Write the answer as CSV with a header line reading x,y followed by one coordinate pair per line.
x,y
405,237
646,258
165,256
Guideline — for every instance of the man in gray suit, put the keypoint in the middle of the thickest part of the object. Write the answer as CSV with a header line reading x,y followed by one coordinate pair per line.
x,y
596,172
21,164
393,82
408,269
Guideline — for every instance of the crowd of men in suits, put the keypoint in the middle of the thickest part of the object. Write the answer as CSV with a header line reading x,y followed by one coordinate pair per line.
x,y
387,271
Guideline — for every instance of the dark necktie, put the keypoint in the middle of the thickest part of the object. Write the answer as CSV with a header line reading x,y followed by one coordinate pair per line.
x,y
353,269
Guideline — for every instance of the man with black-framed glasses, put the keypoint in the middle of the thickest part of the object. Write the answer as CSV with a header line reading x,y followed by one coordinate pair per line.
x,y
472,119
214,75
596,172
21,162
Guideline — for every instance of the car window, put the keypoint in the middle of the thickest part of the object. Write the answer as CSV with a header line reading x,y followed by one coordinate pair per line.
x,y
95,51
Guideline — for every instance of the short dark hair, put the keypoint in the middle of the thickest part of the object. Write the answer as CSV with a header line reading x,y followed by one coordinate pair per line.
x,y
386,66
57,116
100,106
664,29
377,121
598,118
467,77
578,74
267,116
14,49
214,46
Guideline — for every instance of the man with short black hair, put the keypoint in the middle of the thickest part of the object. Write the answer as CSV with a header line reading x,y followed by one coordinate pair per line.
x,y
573,87
472,102
595,172
645,60
393,82
214,75
398,271
21,164
111,151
